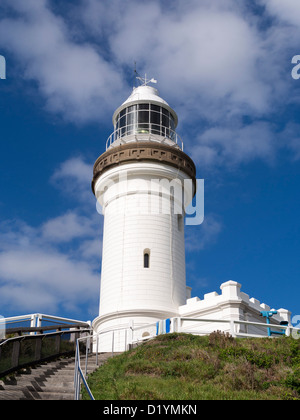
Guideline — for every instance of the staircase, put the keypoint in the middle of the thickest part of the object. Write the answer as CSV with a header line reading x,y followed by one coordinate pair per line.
x,y
48,381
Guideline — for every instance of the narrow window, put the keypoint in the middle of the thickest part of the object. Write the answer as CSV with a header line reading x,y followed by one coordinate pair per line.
x,y
146,258
180,222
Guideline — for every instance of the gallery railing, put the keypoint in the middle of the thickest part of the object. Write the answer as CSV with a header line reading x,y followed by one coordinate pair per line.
x,y
150,131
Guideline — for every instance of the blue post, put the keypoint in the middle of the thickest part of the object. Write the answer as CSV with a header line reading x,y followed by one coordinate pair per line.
x,y
168,325
268,315
269,329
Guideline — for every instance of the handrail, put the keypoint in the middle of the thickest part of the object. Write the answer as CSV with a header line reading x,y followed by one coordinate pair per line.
x,y
36,320
288,328
58,327
151,129
37,350
79,374
30,337
78,371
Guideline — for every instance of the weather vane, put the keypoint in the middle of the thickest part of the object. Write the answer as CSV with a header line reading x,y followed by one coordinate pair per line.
x,y
144,81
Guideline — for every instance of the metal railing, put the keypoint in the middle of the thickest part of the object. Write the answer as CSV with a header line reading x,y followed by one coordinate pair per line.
x,y
157,132
37,319
232,324
129,341
79,375
26,350
39,338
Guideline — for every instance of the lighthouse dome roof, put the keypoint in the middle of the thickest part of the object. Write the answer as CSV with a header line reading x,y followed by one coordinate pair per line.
x,y
145,94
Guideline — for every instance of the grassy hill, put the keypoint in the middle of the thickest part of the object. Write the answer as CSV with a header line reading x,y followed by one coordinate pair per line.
x,y
214,367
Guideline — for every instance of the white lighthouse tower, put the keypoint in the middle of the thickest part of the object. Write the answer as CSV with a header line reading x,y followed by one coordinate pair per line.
x,y
140,184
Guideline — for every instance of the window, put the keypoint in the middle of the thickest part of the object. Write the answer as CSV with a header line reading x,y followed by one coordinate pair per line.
x,y
145,118
147,258
180,222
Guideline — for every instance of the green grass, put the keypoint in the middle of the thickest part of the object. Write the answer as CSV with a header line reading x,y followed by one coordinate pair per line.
x,y
215,367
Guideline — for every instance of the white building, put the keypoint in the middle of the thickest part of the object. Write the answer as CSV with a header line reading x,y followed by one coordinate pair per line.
x,y
143,182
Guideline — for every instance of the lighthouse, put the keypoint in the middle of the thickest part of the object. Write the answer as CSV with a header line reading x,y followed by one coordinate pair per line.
x,y
143,183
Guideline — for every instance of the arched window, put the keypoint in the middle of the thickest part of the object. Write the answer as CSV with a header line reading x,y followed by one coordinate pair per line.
x,y
146,258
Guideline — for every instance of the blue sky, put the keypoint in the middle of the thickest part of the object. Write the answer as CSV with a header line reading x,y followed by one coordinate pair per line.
x,y
225,67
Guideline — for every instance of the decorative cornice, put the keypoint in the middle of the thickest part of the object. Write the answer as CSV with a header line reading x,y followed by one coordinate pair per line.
x,y
144,151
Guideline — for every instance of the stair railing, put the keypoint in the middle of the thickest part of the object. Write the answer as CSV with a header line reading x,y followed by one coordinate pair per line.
x,y
79,375
26,350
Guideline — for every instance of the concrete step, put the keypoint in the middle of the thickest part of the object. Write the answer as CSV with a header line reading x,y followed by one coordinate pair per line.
x,y
56,396
15,395
48,381
29,388
63,381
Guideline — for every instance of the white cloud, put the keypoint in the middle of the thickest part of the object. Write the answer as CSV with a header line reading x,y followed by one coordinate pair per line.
x,y
287,11
216,62
74,177
91,249
53,279
204,235
199,54
54,266
75,168
67,227
38,274
231,146
72,77
19,298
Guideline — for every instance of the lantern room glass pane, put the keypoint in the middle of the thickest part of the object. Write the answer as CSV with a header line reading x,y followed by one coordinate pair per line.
x,y
165,112
172,123
122,121
131,108
156,108
131,119
143,106
154,117
145,118
165,121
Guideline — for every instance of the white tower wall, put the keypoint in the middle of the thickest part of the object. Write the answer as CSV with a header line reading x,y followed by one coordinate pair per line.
x,y
138,202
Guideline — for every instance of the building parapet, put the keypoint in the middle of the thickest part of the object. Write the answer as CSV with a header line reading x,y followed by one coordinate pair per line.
x,y
231,296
